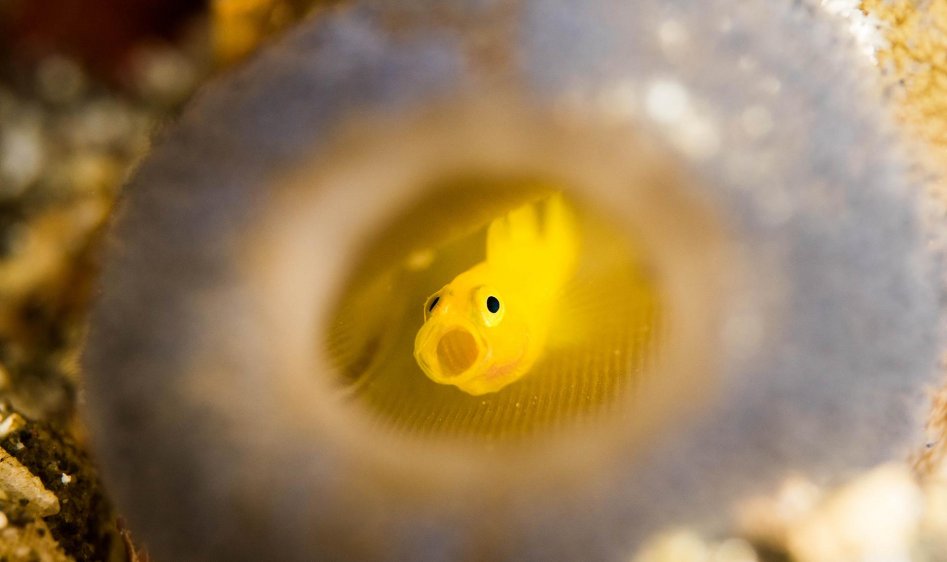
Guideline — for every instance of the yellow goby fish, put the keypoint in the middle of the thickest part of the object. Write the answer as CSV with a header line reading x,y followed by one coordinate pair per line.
x,y
487,327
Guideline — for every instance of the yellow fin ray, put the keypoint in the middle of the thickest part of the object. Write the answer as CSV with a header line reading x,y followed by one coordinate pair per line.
x,y
537,242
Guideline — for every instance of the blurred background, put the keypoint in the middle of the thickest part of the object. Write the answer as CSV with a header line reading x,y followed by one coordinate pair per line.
x,y
84,87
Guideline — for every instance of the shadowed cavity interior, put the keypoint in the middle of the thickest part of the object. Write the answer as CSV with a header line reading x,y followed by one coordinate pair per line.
x,y
603,333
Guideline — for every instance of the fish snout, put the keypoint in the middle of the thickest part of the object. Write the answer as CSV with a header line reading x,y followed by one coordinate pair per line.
x,y
457,351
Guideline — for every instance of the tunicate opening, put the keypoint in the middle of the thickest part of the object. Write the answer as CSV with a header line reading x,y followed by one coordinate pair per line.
x,y
605,332
359,239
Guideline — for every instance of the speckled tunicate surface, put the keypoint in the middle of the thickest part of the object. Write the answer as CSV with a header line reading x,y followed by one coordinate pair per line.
x,y
761,101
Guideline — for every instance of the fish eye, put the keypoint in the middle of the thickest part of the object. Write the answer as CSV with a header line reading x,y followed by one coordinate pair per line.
x,y
489,305
431,304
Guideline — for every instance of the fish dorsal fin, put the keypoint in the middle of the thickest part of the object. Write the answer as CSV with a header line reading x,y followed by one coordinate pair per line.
x,y
536,243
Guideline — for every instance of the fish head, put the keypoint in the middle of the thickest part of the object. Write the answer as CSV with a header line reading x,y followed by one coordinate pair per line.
x,y
474,337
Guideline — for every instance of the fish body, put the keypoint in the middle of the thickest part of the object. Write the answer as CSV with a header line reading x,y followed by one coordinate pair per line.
x,y
488,326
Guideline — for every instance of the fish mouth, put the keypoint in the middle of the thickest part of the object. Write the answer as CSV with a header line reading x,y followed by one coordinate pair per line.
x,y
447,353
457,351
